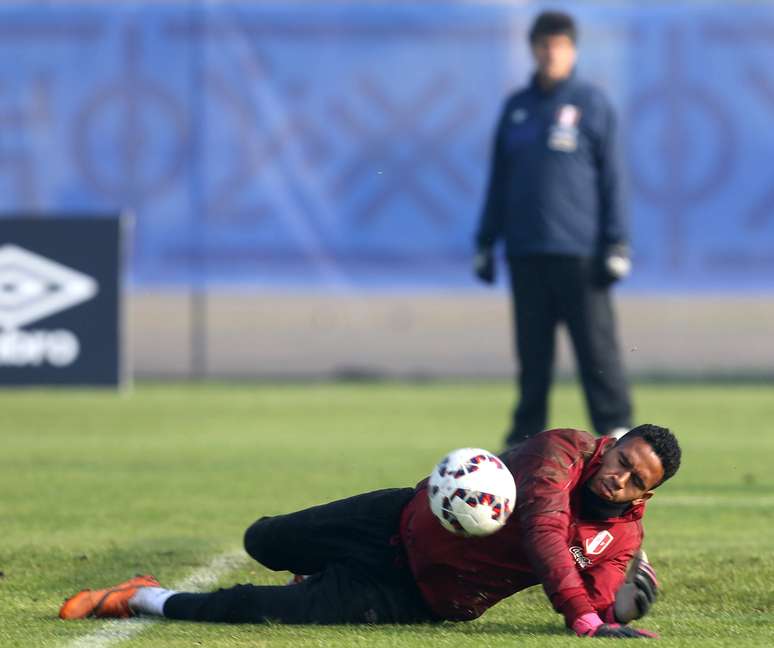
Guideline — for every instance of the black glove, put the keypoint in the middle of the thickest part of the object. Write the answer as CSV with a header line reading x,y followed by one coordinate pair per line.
x,y
612,265
484,265
638,593
615,631
591,625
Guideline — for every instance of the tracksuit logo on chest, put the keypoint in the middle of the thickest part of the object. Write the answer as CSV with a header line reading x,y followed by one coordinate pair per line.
x,y
563,134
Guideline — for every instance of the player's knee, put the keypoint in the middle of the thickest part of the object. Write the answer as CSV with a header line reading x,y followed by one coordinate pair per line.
x,y
260,543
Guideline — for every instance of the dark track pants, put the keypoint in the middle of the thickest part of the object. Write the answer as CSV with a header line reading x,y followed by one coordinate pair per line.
x,y
548,290
351,549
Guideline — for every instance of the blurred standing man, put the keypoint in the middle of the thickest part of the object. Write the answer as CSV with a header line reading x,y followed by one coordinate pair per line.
x,y
553,196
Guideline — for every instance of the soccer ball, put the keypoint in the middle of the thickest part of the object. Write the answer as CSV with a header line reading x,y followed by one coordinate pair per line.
x,y
471,492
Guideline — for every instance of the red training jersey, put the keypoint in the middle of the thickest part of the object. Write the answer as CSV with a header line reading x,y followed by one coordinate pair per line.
x,y
580,563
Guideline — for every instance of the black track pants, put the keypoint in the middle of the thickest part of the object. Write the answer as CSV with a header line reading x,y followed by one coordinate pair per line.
x,y
349,547
549,290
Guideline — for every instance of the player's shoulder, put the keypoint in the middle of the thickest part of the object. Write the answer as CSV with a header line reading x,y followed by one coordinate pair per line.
x,y
590,96
520,96
570,438
589,89
568,449
629,531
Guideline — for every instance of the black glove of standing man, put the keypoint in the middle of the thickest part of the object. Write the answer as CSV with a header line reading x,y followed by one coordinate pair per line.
x,y
484,265
613,264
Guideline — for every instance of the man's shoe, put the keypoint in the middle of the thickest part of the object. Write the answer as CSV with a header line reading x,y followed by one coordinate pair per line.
x,y
617,433
110,602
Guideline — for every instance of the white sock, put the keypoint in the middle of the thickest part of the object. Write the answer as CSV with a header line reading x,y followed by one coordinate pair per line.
x,y
150,600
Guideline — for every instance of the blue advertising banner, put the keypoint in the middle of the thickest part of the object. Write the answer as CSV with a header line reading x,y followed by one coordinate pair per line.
x,y
59,301
346,146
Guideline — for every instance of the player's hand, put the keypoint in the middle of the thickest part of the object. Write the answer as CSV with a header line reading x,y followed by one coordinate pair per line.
x,y
638,593
591,625
484,265
613,264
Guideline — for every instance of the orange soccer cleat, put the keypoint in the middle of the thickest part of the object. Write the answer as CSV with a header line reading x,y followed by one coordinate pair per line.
x,y
110,602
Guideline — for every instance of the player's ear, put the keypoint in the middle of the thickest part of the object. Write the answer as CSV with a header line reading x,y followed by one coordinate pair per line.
x,y
645,497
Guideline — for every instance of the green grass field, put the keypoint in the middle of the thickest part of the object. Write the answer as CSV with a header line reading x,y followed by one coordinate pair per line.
x,y
97,486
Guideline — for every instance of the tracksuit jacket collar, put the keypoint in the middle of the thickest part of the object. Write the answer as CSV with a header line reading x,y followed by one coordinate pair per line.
x,y
537,88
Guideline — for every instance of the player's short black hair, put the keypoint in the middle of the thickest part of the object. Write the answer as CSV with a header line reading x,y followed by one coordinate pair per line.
x,y
664,444
553,23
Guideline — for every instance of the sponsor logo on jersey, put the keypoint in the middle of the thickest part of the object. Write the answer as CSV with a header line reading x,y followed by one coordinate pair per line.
x,y
33,287
577,554
597,544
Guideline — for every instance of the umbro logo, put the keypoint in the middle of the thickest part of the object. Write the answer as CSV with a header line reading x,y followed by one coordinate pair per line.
x,y
519,115
33,287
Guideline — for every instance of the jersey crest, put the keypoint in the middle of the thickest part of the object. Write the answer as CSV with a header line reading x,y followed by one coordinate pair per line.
x,y
563,134
592,546
597,544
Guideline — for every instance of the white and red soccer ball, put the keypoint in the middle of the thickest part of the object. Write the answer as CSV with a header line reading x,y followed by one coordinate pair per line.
x,y
472,492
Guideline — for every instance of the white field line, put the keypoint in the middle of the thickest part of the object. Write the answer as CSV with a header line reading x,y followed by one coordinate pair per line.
x,y
735,501
118,630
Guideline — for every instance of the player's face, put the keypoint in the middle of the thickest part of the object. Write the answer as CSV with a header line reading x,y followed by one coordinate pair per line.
x,y
629,471
554,57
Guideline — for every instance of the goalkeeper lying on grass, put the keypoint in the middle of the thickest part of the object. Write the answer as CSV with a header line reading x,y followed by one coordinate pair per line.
x,y
383,557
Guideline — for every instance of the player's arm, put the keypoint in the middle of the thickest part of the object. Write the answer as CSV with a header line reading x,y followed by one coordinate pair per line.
x,y
491,222
622,589
547,472
613,256
603,580
615,602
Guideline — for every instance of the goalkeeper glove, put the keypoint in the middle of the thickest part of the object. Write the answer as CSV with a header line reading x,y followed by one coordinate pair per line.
x,y
638,593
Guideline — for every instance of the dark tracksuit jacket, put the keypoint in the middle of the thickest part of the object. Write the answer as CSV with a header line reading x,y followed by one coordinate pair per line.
x,y
580,563
554,186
